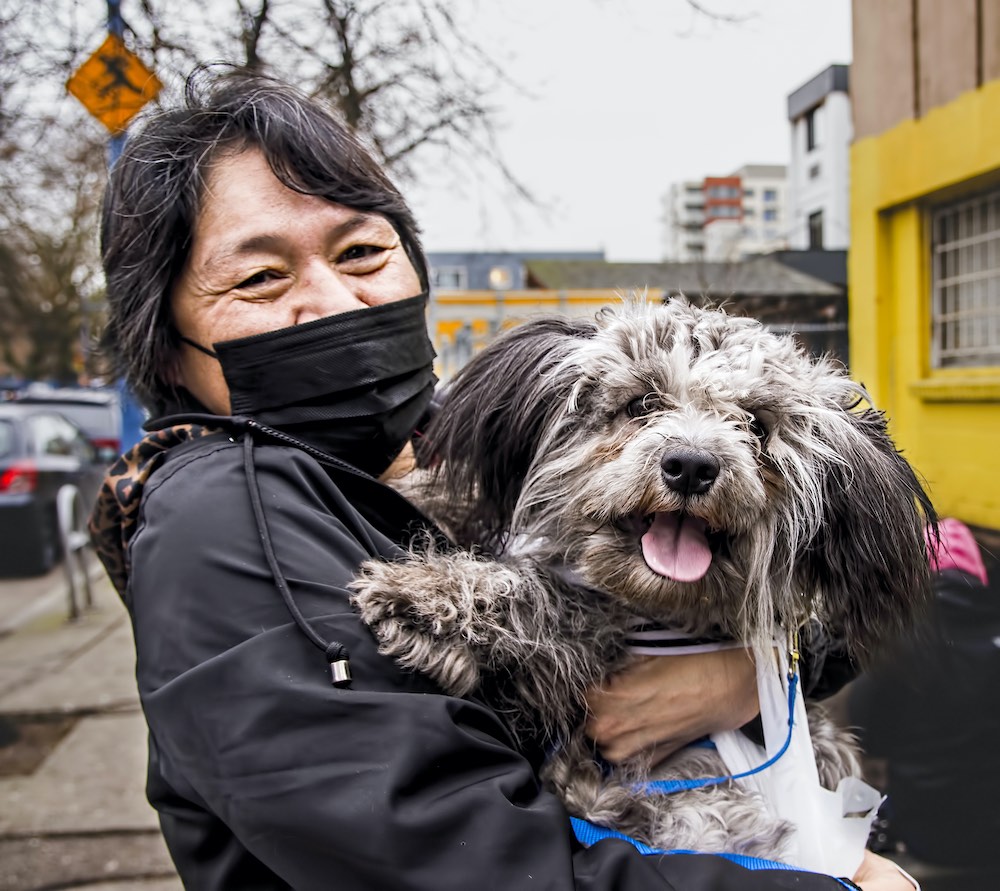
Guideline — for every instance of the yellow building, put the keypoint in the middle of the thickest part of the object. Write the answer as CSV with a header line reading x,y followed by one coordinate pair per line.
x,y
924,264
462,322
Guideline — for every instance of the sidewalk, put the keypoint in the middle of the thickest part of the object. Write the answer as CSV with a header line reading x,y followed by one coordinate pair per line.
x,y
73,813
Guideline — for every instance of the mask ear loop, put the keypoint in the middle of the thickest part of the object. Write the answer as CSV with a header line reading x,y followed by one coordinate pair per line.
x,y
198,346
335,652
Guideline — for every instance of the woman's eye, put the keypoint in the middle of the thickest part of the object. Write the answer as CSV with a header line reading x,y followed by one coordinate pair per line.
x,y
360,252
258,278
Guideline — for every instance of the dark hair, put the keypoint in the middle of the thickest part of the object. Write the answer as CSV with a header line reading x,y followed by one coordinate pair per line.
x,y
153,193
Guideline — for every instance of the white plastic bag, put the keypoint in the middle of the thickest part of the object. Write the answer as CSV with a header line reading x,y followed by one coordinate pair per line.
x,y
833,827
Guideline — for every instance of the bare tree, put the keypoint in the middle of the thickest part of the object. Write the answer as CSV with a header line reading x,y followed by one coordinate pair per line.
x,y
51,176
724,17
404,74
49,270
401,72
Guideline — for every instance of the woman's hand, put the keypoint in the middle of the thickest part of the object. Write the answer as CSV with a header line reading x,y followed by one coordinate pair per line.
x,y
662,703
403,464
878,874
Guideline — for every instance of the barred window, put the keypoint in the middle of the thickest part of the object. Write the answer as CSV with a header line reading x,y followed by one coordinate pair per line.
x,y
966,282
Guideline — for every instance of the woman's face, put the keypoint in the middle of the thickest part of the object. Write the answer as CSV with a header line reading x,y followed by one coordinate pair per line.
x,y
264,257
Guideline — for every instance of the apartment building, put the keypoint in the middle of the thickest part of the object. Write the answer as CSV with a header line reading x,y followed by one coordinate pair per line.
x,y
819,113
684,221
726,218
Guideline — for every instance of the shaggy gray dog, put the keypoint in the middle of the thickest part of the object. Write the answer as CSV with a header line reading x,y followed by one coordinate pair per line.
x,y
662,462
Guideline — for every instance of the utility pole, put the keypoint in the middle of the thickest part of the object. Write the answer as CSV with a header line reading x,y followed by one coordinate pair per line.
x,y
116,28
113,84
131,413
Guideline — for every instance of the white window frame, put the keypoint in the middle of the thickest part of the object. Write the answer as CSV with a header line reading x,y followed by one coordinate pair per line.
x,y
965,282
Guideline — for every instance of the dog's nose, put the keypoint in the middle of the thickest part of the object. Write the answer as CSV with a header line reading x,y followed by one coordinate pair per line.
x,y
689,471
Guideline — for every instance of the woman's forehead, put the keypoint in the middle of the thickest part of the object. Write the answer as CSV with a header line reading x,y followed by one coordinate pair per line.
x,y
243,199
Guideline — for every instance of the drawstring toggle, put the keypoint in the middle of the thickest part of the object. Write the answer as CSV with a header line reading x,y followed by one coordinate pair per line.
x,y
340,665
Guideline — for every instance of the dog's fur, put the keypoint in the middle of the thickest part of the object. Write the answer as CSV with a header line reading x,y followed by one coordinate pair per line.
x,y
555,450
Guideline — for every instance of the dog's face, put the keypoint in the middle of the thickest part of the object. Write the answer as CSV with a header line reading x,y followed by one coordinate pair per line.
x,y
692,464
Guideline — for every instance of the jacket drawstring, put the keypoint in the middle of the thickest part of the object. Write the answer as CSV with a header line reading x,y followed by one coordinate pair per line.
x,y
335,652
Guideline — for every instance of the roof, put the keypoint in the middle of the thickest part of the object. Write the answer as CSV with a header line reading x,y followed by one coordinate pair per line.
x,y
42,395
823,263
834,79
21,410
758,275
762,171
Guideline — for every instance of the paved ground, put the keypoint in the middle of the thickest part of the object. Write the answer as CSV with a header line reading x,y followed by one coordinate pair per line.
x,y
72,747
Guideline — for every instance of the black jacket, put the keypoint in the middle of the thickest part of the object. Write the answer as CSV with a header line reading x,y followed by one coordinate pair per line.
x,y
931,708
265,775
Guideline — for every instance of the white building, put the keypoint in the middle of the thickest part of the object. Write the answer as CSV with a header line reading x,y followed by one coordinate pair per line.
x,y
818,174
762,225
723,218
684,221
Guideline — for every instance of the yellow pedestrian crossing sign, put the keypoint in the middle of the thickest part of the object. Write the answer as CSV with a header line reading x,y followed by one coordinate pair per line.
x,y
114,84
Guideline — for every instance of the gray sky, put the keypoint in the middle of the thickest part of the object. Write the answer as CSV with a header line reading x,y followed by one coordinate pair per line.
x,y
627,97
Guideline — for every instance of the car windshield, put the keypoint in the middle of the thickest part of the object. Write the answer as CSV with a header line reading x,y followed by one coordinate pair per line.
x,y
6,438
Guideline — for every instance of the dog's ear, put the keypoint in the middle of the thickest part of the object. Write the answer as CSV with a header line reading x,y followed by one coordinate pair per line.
x,y
869,561
486,431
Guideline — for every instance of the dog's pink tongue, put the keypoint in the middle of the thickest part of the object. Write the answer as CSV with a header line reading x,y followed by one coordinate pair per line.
x,y
676,546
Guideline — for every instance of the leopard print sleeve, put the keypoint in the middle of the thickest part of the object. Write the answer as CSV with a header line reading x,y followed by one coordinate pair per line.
x,y
115,513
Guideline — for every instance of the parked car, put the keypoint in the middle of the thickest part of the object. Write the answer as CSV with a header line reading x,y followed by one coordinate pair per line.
x,y
97,412
41,451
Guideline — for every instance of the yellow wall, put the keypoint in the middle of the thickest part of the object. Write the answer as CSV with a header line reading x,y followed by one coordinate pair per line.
x,y
947,421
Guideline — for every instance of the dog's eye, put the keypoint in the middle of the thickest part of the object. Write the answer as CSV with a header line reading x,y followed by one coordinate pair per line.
x,y
640,406
760,424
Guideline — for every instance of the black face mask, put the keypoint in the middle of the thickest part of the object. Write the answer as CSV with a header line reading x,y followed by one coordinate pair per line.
x,y
354,385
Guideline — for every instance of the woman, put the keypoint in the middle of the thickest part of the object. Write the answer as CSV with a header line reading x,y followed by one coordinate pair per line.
x,y
266,292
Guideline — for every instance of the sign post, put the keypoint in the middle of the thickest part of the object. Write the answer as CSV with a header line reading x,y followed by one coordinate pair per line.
x,y
116,28
114,85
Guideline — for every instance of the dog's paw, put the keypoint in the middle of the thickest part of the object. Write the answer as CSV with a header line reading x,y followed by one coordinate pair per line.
x,y
415,625
379,593
450,664
405,592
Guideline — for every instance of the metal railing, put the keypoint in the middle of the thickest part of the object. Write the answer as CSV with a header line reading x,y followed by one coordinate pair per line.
x,y
75,547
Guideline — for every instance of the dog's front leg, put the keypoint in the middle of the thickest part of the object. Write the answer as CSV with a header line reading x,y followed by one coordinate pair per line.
x,y
592,792
446,615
